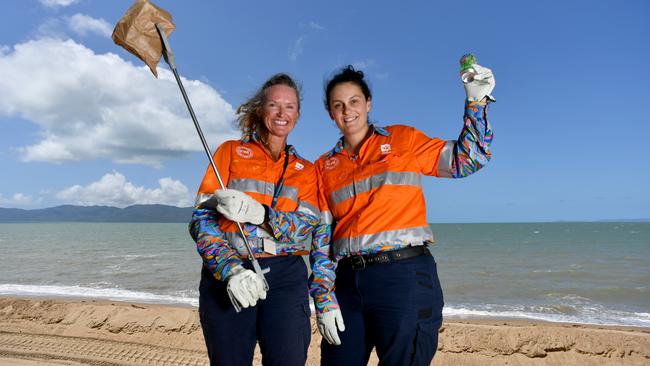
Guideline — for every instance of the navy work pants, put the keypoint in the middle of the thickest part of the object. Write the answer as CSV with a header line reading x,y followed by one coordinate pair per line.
x,y
280,323
395,308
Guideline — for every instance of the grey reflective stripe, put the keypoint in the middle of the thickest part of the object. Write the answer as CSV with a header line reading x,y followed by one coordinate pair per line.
x,y
200,198
308,208
289,192
444,161
236,242
376,181
403,237
251,185
326,218
262,187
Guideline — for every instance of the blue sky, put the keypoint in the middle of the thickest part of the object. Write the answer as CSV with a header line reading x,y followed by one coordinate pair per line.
x,y
84,122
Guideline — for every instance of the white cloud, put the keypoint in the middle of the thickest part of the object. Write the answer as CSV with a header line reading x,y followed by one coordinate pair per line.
x,y
114,190
57,3
315,25
80,24
17,200
92,106
52,27
83,24
296,49
364,64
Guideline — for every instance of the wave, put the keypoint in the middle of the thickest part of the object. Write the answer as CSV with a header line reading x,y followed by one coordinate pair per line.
x,y
130,257
593,314
185,297
561,314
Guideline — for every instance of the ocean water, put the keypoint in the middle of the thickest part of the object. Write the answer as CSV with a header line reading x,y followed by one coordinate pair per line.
x,y
596,273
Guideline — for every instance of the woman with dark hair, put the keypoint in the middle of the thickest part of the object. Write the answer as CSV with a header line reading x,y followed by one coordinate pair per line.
x,y
374,281
272,192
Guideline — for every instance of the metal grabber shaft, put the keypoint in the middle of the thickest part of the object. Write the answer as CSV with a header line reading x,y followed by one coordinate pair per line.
x,y
169,58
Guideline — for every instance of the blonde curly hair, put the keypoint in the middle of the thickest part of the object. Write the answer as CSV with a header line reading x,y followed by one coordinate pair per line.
x,y
249,114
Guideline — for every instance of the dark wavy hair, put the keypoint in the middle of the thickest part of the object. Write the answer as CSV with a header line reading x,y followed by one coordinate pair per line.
x,y
347,74
249,116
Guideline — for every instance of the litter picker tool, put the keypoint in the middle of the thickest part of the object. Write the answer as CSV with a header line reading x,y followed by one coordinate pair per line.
x,y
143,31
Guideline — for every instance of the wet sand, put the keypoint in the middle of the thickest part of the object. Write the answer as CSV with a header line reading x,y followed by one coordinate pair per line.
x,y
37,332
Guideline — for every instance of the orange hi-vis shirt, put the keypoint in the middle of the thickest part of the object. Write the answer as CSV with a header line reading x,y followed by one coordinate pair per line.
x,y
375,199
244,165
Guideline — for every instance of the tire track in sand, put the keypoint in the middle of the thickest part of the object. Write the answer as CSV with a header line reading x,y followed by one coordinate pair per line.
x,y
95,352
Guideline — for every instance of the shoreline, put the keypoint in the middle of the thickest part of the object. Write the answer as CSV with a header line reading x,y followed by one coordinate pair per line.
x,y
456,318
51,331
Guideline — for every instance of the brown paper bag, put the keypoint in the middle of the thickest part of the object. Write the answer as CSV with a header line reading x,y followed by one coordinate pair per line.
x,y
136,31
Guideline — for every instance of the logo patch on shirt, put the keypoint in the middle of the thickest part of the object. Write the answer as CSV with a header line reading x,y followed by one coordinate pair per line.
x,y
385,149
244,152
331,163
299,166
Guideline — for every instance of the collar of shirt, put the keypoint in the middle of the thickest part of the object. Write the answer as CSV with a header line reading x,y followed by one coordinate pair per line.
x,y
255,137
339,144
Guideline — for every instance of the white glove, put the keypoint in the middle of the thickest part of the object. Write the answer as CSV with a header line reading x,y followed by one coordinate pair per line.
x,y
478,82
328,323
246,287
239,207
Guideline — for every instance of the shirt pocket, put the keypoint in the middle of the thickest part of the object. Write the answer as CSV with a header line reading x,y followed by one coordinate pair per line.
x,y
247,168
337,178
337,187
248,175
392,162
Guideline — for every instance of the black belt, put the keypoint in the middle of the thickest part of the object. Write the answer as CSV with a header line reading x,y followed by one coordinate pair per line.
x,y
357,262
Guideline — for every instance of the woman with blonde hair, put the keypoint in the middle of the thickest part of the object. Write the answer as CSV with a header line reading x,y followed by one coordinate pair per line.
x,y
270,190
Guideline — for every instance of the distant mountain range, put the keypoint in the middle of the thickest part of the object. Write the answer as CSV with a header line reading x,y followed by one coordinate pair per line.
x,y
70,213
135,213
625,220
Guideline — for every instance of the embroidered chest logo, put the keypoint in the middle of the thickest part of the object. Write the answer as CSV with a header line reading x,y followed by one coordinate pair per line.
x,y
299,166
385,149
244,152
331,163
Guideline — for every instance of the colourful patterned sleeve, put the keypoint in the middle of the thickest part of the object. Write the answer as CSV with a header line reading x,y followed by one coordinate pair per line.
x,y
472,149
291,226
321,281
211,244
323,266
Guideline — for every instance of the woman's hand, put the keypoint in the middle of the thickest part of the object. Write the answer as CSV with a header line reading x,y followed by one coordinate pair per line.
x,y
478,82
330,324
245,287
239,207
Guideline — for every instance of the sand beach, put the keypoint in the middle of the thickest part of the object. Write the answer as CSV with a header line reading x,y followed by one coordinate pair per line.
x,y
42,331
